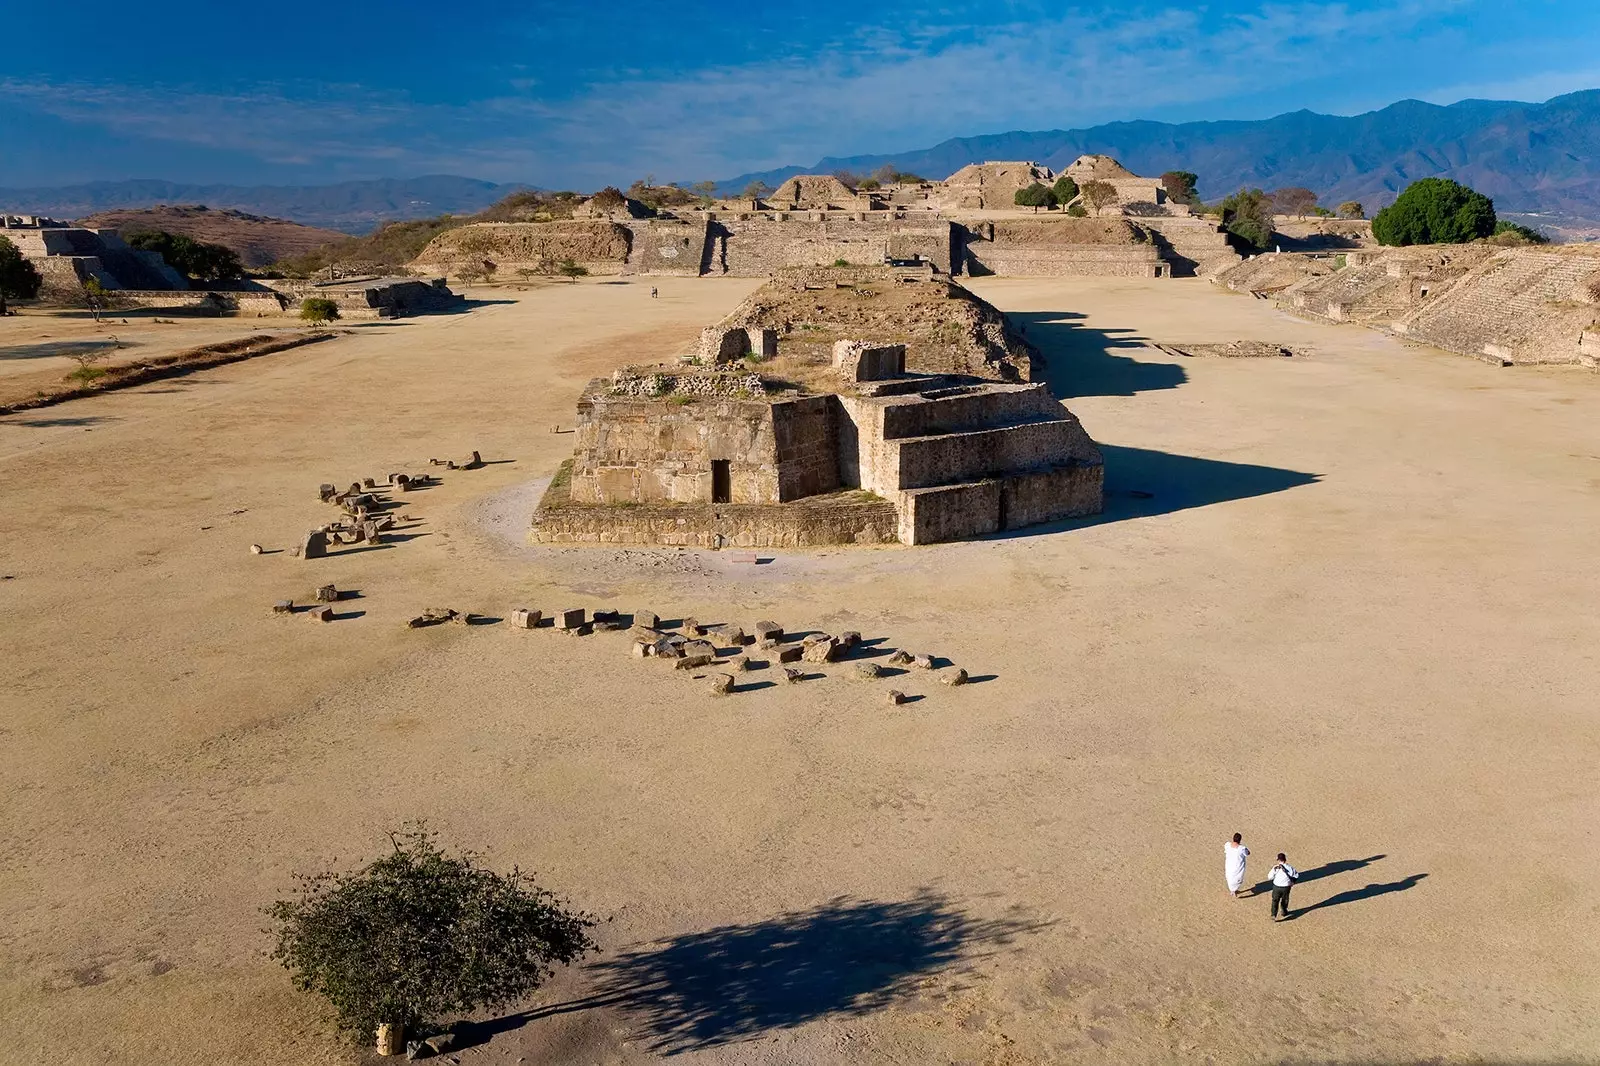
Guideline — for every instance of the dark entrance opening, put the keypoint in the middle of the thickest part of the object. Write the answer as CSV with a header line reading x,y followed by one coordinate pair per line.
x,y
721,481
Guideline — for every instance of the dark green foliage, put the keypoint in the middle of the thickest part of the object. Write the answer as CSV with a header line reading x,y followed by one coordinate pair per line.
x,y
318,309
1505,227
1078,211
1034,196
571,270
421,936
1247,214
1065,190
19,279
194,259
1435,211
1180,186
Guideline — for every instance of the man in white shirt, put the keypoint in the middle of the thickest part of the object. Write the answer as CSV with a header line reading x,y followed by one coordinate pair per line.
x,y
1234,853
1283,877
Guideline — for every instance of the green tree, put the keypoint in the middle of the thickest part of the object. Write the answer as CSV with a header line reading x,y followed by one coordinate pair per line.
x,y
1435,211
1034,196
421,936
318,310
1098,194
19,279
1181,187
196,260
572,271
1352,209
1065,190
1247,214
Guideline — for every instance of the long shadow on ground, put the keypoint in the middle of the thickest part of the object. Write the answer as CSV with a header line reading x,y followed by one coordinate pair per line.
x,y
737,982
1141,483
1079,361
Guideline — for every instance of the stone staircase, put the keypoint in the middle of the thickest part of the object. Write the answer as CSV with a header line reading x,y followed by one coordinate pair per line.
x,y
1193,247
1518,307
970,459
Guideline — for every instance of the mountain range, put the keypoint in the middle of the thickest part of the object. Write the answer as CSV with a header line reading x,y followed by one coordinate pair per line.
x,y
350,207
1530,158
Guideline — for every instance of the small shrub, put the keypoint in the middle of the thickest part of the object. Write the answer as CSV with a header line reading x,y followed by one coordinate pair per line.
x,y
1506,228
318,310
841,262
572,271
1078,211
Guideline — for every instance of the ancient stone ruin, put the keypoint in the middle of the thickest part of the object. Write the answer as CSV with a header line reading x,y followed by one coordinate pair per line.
x,y
886,411
967,224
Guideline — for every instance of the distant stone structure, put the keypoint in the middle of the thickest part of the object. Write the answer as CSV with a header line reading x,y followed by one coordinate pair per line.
x,y
829,441
374,297
67,256
967,224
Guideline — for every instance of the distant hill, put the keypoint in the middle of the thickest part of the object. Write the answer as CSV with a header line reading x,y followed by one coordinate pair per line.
x,y
1531,158
350,207
258,240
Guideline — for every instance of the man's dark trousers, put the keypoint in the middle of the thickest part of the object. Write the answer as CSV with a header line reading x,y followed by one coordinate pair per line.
x,y
1280,897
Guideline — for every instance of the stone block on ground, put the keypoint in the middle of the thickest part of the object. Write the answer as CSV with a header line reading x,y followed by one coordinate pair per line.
x,y
732,635
668,648
769,631
822,651
868,671
700,647
646,620
900,658
462,618
368,483
522,618
321,614
603,616
768,645
327,594
791,654
570,619
283,607
643,649
792,675
315,545
894,697
256,549
721,684
923,662
739,664
849,639
693,627
327,492
957,676
694,662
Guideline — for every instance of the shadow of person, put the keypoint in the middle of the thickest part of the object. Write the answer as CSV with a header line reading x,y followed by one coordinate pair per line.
x,y
736,982
1327,869
1356,894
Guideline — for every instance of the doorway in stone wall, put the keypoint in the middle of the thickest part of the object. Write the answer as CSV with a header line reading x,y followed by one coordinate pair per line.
x,y
721,481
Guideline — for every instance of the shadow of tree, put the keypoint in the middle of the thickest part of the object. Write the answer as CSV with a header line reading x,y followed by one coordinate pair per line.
x,y
1079,360
844,957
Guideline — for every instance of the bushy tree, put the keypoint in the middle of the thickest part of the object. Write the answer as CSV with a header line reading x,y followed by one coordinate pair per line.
x,y
1352,209
1247,214
756,190
196,260
420,936
572,271
1294,200
1098,194
608,200
1181,187
318,310
19,279
1065,190
1505,227
1034,196
1435,211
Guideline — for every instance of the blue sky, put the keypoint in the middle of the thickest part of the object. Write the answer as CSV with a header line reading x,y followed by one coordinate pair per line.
x,y
576,96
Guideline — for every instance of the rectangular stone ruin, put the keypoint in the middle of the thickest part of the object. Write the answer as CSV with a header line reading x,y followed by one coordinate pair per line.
x,y
860,361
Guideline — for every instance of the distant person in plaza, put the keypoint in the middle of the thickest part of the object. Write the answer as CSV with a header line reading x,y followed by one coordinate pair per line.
x,y
652,292
1234,853
1283,877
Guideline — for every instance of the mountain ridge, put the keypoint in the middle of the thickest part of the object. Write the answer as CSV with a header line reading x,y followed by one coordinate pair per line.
x,y
1530,157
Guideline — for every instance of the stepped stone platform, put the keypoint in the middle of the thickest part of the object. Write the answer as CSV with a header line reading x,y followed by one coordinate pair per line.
x,y
746,444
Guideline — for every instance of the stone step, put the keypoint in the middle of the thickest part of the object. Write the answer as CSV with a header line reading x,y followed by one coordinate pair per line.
x,y
964,408
946,458
989,505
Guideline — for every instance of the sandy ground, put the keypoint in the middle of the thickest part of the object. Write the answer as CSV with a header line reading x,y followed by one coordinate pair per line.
x,y
1354,618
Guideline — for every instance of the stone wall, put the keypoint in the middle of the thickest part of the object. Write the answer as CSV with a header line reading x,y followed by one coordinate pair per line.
x,y
600,247
669,246
759,245
806,435
1060,245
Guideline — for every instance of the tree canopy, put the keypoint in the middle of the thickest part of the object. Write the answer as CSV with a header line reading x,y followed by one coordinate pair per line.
x,y
1247,214
318,309
1505,227
1181,186
196,260
1294,200
1065,190
420,935
1098,194
19,279
1352,209
1034,196
1435,211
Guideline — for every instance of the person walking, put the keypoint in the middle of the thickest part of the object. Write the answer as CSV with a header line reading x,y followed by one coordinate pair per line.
x,y
652,292
1234,854
1283,877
